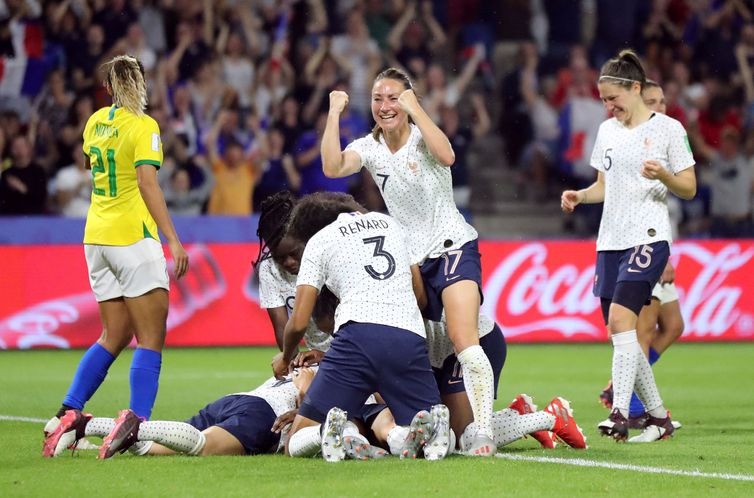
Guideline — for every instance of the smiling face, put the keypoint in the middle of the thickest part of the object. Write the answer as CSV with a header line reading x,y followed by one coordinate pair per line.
x,y
620,101
654,99
386,111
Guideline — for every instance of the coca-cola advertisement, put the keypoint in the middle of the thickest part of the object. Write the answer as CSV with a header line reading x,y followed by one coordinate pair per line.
x,y
537,292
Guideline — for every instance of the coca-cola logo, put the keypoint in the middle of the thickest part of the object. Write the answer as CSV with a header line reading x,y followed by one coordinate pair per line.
x,y
543,291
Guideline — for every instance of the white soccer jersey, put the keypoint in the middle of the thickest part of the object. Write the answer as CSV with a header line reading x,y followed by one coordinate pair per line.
x,y
635,210
278,288
279,394
363,259
439,344
418,192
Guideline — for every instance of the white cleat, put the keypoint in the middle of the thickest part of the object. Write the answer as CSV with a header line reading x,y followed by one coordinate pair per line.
x,y
482,446
656,429
332,436
419,432
359,449
438,445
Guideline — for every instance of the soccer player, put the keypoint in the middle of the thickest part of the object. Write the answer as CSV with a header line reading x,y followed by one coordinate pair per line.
x,y
127,268
409,158
277,271
660,322
379,343
639,156
236,424
508,425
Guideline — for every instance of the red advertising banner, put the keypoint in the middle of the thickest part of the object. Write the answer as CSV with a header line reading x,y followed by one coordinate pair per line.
x,y
536,291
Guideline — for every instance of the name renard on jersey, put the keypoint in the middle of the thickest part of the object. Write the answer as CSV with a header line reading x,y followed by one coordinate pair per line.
x,y
363,224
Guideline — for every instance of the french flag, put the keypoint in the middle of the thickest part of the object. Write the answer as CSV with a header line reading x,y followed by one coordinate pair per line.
x,y
22,66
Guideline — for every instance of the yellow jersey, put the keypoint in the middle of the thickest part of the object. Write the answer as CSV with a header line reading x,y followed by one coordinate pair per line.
x,y
117,142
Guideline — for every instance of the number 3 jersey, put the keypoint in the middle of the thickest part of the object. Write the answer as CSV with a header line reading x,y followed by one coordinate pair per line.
x,y
363,259
635,210
117,142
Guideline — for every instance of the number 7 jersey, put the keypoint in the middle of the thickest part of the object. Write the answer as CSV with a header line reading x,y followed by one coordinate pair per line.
x,y
363,259
117,142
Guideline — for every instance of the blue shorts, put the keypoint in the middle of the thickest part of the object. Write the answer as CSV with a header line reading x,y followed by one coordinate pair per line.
x,y
644,263
365,358
451,267
368,413
248,418
450,377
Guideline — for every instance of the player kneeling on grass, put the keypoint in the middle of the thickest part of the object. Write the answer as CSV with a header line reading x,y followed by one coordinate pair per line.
x,y
521,418
379,343
236,424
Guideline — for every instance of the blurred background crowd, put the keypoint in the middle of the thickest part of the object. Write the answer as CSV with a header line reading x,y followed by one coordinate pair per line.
x,y
240,91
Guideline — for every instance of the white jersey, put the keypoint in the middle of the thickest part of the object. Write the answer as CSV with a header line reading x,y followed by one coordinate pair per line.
x,y
439,344
635,210
281,395
277,288
418,192
364,261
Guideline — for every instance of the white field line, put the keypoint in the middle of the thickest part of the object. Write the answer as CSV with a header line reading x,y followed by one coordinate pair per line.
x,y
620,466
12,418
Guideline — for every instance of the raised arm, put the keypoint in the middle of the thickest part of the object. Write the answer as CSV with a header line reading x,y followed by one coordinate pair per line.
x,y
437,142
337,163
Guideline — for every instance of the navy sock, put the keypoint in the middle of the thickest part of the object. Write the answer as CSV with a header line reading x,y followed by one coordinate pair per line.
x,y
145,376
89,375
637,407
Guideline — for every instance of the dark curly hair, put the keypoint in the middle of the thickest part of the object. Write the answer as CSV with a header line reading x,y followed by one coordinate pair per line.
x,y
315,211
274,213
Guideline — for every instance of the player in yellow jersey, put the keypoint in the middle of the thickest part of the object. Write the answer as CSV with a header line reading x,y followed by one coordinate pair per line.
x,y
127,267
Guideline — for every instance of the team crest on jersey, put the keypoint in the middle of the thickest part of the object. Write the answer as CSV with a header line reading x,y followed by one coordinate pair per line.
x,y
647,143
413,167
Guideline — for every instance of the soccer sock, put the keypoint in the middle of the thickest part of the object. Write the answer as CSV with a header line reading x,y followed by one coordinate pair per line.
x,y
637,407
178,436
508,425
99,426
306,442
646,388
395,439
90,373
145,376
480,384
626,353
467,438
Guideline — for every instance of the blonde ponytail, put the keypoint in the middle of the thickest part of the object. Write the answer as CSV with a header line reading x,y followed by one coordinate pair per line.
x,y
124,76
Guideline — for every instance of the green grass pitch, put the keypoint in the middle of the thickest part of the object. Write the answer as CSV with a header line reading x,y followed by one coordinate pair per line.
x,y
705,386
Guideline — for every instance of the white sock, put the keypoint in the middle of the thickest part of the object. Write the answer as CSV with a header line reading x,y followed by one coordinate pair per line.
x,y
480,384
646,389
178,436
626,353
508,425
99,426
467,438
306,442
396,438
140,448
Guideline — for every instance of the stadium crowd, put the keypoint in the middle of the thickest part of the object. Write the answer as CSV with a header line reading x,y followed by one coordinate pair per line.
x,y
240,91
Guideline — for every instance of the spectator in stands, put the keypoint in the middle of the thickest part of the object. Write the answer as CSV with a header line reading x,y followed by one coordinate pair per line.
x,y
23,186
279,170
72,186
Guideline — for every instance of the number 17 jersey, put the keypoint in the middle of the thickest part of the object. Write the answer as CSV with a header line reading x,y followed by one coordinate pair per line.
x,y
117,142
363,259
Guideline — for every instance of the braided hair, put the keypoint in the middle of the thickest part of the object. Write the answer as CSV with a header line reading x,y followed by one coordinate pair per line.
x,y
274,214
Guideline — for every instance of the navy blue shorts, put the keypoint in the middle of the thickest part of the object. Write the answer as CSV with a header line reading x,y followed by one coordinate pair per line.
x,y
450,377
365,358
451,267
644,263
368,413
248,418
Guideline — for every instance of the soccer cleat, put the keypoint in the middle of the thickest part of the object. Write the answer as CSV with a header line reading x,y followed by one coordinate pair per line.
x,y
67,433
332,435
482,446
361,450
123,436
615,426
656,429
438,445
565,427
419,432
523,404
676,424
638,421
606,396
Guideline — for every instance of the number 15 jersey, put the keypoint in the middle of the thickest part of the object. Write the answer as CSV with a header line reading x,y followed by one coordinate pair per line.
x,y
117,142
363,259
